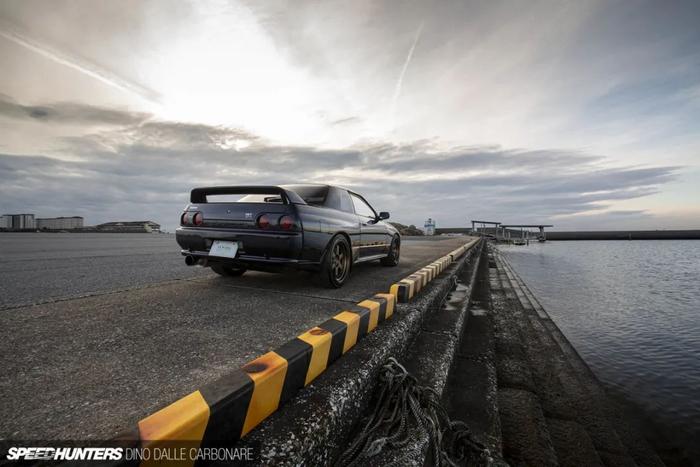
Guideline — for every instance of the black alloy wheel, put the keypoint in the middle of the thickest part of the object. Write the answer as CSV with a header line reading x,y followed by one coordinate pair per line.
x,y
337,263
392,259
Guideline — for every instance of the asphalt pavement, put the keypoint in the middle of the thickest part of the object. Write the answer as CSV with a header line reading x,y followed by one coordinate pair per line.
x,y
99,330
42,267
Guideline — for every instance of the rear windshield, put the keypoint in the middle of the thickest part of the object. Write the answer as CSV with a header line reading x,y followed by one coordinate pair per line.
x,y
243,198
271,198
311,194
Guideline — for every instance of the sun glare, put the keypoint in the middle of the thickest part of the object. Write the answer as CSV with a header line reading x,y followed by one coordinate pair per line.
x,y
225,70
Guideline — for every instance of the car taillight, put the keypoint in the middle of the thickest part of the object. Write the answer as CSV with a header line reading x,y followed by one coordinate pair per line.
x,y
183,218
264,221
198,219
286,222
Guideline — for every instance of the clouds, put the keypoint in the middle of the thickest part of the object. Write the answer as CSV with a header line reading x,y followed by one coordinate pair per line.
x,y
142,167
605,76
68,112
551,110
562,74
108,77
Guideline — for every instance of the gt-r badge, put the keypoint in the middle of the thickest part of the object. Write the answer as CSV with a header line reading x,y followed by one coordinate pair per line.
x,y
248,215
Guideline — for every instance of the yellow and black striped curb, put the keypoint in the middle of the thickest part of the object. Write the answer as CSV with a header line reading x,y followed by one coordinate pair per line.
x,y
229,408
408,287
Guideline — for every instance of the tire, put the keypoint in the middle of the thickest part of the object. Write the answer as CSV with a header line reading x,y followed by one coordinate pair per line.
x,y
337,263
392,259
227,271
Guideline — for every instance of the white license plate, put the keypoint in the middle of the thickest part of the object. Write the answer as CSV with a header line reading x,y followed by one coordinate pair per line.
x,y
223,249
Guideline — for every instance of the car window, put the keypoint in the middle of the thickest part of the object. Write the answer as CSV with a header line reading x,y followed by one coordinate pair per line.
x,y
311,194
361,207
271,198
345,201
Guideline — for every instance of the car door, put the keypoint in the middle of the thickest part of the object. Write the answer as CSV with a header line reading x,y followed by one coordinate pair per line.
x,y
372,231
345,219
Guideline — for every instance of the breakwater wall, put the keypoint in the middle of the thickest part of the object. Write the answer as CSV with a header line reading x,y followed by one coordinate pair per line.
x,y
626,235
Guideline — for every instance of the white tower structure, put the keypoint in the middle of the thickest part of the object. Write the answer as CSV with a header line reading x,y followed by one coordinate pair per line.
x,y
429,227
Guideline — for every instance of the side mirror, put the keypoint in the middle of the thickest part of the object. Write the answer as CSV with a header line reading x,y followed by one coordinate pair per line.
x,y
383,215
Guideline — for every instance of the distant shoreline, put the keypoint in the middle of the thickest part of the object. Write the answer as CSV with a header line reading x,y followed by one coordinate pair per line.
x,y
605,234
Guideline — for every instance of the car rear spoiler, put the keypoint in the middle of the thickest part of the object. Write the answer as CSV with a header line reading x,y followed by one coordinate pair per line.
x,y
199,195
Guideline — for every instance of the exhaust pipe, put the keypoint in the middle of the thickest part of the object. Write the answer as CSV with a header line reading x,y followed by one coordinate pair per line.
x,y
192,261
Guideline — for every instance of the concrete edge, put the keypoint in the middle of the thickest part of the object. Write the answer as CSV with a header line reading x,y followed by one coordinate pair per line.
x,y
230,407
432,355
631,439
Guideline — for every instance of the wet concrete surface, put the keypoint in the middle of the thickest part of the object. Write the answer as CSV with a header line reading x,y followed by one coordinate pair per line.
x,y
101,330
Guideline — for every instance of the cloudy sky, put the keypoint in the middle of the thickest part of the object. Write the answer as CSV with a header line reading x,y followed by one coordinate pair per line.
x,y
585,114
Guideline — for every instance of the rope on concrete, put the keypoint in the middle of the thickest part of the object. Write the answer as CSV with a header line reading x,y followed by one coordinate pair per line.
x,y
403,406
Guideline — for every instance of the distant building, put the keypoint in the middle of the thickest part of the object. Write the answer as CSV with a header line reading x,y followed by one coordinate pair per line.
x,y
129,227
18,222
59,223
429,227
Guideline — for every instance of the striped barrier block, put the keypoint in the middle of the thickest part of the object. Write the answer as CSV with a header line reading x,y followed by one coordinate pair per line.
x,y
422,275
427,272
404,290
417,282
229,408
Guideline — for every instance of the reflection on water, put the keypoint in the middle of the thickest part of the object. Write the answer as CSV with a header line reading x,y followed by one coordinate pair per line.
x,y
632,310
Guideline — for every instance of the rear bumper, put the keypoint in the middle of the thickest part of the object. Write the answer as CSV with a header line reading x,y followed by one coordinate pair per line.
x,y
252,262
257,250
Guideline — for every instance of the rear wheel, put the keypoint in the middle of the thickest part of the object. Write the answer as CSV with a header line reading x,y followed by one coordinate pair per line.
x,y
337,262
392,259
223,270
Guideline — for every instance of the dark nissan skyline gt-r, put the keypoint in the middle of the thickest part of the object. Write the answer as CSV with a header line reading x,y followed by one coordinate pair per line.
x,y
270,228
